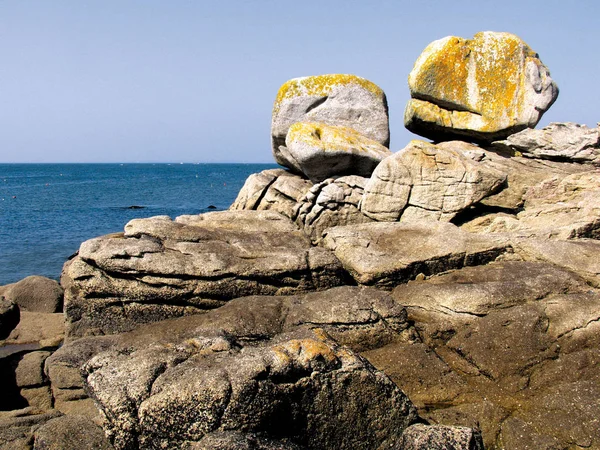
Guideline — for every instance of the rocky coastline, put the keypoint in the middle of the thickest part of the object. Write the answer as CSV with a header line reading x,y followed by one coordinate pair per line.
x,y
443,296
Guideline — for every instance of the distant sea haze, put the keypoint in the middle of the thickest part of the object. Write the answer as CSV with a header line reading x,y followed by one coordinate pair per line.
x,y
47,210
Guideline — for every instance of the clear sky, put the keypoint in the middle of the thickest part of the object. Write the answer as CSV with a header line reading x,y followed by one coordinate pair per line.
x,y
194,81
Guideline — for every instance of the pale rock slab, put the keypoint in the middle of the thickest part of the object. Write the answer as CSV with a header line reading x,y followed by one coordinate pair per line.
x,y
483,89
160,268
386,254
558,141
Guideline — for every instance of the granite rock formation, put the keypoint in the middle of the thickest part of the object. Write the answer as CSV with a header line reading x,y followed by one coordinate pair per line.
x,y
558,141
160,268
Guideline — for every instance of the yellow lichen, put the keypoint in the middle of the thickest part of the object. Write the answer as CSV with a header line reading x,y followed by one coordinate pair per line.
x,y
321,85
332,138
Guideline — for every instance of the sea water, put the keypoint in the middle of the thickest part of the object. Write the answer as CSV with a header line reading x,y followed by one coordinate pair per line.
x,y
47,210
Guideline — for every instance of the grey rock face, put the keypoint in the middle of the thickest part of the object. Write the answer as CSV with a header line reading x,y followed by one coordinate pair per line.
x,y
386,254
440,437
427,182
484,88
560,207
70,432
169,395
360,318
35,294
162,268
9,317
521,173
234,440
333,202
346,100
516,345
320,151
558,141
274,189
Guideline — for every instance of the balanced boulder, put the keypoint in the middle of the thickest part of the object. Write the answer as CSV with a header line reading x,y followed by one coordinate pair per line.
x,y
320,151
425,181
337,99
483,89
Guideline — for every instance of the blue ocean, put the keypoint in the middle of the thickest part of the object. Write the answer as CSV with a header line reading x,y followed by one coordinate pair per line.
x,y
47,210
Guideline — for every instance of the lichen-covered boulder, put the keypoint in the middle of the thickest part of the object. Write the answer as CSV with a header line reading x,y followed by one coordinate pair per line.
x,y
335,99
331,203
320,151
427,182
484,88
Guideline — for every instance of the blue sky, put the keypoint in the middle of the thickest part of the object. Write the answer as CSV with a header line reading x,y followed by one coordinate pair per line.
x,y
194,81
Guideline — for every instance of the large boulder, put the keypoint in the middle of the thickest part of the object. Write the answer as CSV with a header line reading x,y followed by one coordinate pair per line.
x,y
320,151
385,254
160,268
558,141
346,100
273,189
35,294
482,89
300,386
427,182
333,202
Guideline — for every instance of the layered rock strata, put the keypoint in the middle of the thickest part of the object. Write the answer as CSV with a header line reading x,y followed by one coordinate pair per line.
x,y
160,268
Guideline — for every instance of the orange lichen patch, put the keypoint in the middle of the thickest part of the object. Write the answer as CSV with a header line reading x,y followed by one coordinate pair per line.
x,y
304,351
321,85
332,138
